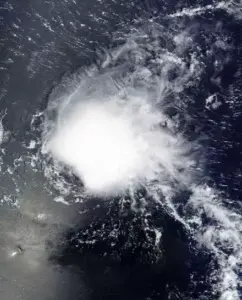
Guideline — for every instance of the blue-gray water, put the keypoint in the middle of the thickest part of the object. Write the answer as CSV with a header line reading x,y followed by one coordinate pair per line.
x,y
96,248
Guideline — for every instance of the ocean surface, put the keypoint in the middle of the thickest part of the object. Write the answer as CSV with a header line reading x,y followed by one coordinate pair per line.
x,y
120,150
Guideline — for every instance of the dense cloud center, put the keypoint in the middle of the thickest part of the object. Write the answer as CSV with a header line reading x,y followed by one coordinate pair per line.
x,y
114,145
100,147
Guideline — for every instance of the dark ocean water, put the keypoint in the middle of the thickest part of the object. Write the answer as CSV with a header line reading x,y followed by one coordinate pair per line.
x,y
105,249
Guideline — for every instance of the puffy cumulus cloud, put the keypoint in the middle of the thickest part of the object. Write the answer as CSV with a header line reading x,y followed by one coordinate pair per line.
x,y
107,123
113,144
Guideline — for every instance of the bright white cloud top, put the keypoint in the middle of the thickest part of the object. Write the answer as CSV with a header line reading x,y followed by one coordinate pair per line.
x,y
113,144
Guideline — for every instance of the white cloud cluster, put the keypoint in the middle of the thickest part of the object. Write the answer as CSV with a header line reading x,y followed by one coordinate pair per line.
x,y
114,144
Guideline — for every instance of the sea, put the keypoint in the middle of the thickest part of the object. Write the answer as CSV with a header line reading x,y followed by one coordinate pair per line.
x,y
120,150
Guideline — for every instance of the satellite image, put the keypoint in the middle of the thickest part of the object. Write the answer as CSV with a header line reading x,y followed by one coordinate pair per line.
x,y
121,150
